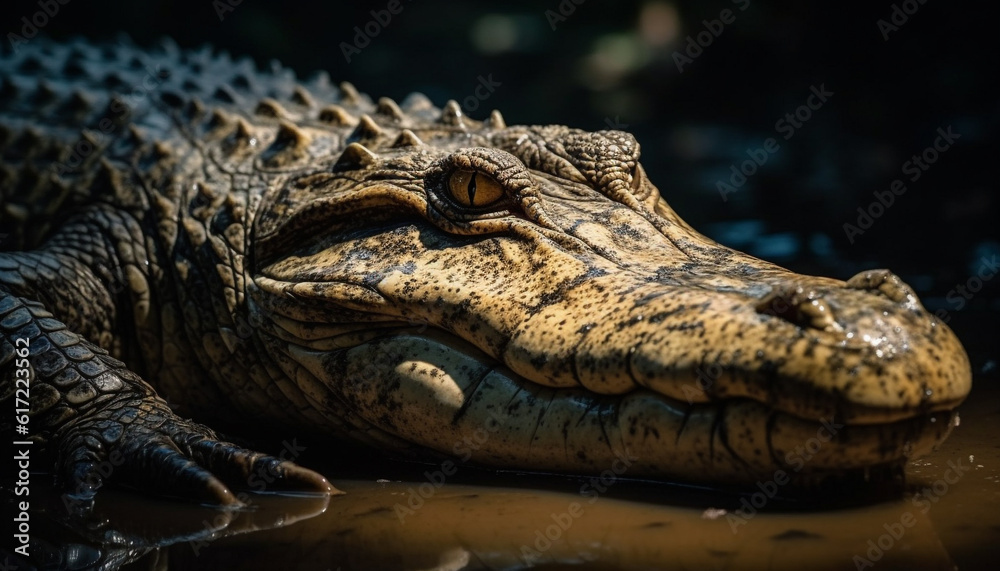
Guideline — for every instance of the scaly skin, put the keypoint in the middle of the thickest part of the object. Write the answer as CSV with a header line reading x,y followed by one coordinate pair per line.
x,y
404,276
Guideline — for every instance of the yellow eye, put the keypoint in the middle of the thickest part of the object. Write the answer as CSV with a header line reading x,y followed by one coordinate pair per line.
x,y
473,189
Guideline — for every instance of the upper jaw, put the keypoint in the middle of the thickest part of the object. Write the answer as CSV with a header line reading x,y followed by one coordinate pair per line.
x,y
850,355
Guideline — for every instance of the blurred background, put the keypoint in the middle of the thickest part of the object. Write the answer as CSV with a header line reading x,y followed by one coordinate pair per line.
x,y
703,86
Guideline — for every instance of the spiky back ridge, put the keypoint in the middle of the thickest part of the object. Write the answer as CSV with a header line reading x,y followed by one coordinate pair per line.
x,y
83,123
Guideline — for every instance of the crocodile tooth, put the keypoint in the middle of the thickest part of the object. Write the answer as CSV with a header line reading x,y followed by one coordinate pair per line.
x,y
336,115
355,156
301,96
270,108
451,114
349,94
389,108
496,121
407,138
366,130
289,144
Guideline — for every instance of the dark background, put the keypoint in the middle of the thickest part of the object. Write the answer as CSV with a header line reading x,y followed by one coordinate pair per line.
x,y
614,63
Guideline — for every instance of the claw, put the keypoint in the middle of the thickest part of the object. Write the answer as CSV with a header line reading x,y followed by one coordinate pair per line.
x,y
245,469
174,457
309,480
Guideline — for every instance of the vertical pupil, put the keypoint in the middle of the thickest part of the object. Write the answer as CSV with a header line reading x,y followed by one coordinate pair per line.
x,y
472,189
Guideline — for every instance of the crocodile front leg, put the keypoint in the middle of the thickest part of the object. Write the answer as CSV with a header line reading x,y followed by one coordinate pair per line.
x,y
100,419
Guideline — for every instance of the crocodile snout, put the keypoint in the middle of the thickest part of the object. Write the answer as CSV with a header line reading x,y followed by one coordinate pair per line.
x,y
885,283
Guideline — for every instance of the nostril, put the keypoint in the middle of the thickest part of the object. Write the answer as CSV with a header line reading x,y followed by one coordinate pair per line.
x,y
818,313
885,283
796,306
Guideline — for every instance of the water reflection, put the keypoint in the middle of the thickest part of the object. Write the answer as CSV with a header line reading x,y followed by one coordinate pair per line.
x,y
947,516
468,527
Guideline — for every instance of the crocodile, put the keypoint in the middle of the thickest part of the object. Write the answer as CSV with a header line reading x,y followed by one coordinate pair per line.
x,y
191,240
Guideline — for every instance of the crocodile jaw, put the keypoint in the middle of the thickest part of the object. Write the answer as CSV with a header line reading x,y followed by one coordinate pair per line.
x,y
588,319
435,392
701,381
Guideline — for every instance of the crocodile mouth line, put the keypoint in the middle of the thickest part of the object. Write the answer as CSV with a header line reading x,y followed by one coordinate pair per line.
x,y
335,337
740,435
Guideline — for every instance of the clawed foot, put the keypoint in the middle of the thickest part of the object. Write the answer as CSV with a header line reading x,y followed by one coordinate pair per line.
x,y
143,444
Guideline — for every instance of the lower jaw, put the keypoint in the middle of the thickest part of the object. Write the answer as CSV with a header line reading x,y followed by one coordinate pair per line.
x,y
438,394
743,443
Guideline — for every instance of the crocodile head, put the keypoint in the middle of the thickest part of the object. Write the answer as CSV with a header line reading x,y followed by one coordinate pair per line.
x,y
523,297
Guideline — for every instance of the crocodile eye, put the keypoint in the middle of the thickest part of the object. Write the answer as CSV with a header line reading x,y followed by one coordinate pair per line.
x,y
473,189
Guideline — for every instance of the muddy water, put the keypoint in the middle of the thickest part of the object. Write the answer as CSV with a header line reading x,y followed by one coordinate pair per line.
x,y
948,516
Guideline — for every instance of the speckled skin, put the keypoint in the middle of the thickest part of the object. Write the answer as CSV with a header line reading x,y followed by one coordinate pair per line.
x,y
253,247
